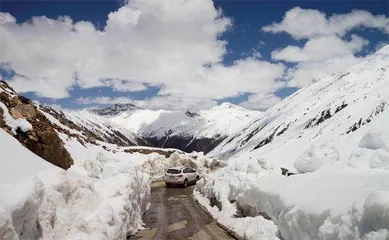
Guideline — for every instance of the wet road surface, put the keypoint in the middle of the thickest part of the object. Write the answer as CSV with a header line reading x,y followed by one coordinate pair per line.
x,y
174,214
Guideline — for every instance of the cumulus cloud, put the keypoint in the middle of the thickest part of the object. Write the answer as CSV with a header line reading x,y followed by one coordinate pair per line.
x,y
319,57
307,23
6,18
306,73
320,49
158,102
173,44
261,101
124,85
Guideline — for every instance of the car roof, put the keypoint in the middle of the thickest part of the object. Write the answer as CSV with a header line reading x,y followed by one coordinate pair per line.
x,y
178,168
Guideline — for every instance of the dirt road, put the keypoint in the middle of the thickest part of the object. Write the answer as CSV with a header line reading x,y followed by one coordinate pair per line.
x,y
174,214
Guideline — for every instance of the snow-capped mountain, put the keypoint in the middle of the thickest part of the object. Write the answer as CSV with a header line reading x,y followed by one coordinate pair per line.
x,y
334,138
62,136
337,110
88,127
185,130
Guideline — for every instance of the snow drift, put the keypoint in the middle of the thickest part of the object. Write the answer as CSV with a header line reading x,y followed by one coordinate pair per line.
x,y
156,165
99,199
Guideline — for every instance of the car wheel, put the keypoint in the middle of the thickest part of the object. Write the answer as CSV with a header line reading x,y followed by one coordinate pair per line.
x,y
168,185
186,183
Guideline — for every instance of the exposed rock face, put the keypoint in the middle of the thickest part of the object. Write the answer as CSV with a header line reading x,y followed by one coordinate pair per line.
x,y
2,123
42,139
186,144
115,109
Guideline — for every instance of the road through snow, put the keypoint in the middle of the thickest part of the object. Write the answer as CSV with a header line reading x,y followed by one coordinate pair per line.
x,y
174,214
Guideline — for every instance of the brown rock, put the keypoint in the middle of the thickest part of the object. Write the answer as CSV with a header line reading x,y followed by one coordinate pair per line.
x,y
15,113
27,110
42,139
2,122
4,97
50,147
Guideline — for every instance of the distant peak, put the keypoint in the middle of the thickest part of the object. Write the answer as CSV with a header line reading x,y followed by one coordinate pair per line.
x,y
228,105
115,109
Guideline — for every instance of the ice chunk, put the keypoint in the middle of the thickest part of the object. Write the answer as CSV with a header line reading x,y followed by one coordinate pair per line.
x,y
374,140
316,156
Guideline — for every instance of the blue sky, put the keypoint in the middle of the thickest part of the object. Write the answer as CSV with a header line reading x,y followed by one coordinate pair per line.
x,y
244,37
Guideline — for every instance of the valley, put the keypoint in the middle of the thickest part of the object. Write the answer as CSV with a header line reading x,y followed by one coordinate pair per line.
x,y
94,169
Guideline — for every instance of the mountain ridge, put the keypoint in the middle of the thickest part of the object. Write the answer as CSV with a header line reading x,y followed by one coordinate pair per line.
x,y
334,108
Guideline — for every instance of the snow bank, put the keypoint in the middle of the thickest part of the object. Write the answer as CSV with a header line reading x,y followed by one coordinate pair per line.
x,y
19,206
14,124
218,193
157,164
315,157
103,198
334,202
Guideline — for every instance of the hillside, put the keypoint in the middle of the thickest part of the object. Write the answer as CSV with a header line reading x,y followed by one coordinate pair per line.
x,y
21,118
333,138
337,110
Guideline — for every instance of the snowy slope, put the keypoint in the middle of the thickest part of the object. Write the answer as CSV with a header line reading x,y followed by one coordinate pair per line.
x,y
337,110
335,135
89,127
187,131
25,163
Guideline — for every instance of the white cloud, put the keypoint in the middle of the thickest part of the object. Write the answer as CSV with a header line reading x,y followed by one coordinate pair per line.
x,y
219,81
326,50
308,23
158,102
124,85
164,43
320,49
261,101
6,18
305,73
319,57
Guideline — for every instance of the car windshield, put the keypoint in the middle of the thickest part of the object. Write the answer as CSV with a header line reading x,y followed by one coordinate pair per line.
x,y
173,171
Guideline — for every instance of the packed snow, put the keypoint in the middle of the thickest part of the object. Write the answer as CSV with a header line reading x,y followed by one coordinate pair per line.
x,y
156,165
103,198
333,202
315,157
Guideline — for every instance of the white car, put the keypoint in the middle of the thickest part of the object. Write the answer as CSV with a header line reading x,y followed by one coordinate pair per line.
x,y
180,175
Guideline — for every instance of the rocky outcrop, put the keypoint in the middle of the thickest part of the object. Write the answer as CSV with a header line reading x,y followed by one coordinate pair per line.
x,y
186,144
115,109
42,139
